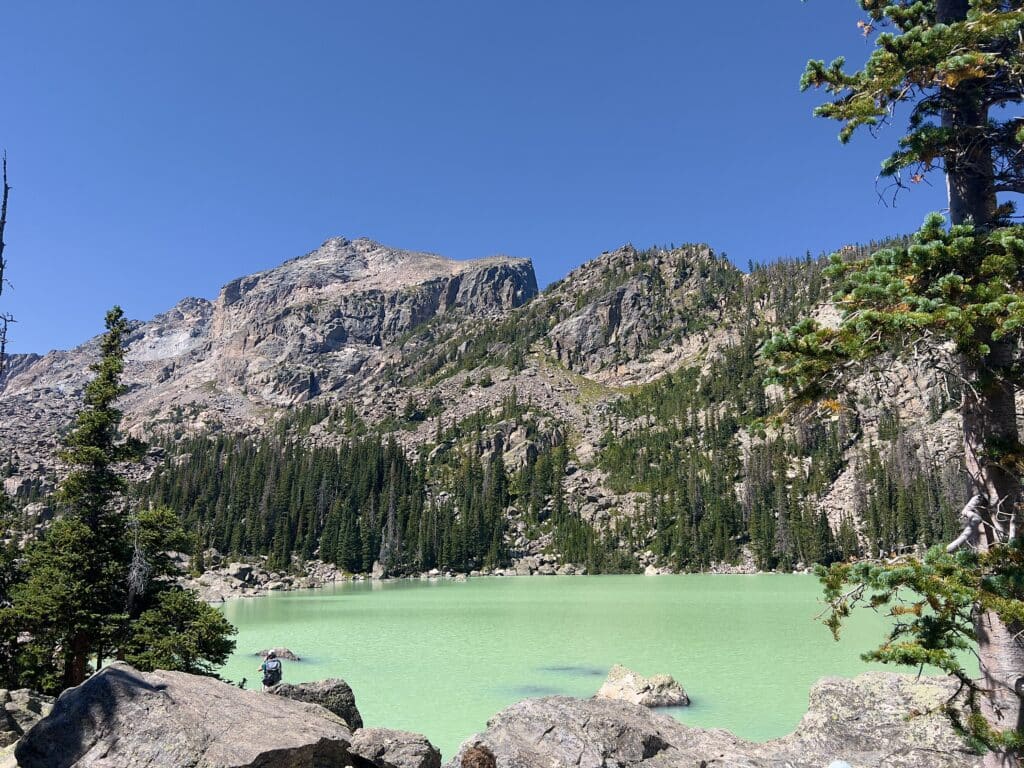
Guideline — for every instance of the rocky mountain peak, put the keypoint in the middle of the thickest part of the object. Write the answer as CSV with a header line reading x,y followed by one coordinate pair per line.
x,y
326,321
342,266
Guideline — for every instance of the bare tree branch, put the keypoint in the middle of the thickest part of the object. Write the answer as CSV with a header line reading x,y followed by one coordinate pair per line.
x,y
5,319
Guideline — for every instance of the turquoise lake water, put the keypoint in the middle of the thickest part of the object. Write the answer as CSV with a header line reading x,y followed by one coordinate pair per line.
x,y
441,657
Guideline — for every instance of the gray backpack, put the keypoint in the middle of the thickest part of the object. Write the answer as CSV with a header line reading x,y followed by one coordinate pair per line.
x,y
272,672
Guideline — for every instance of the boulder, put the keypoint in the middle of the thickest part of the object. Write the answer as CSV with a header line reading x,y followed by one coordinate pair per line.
x,y
861,722
282,653
657,691
333,694
27,707
9,731
19,711
879,715
123,718
240,571
384,748
558,731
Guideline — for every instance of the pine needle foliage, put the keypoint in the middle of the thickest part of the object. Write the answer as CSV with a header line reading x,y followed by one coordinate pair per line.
x,y
953,62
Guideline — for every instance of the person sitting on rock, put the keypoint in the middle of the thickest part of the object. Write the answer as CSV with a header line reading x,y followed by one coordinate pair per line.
x,y
271,669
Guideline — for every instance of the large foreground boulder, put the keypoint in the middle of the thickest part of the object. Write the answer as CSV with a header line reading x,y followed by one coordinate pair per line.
x,y
384,748
123,718
863,722
333,694
656,691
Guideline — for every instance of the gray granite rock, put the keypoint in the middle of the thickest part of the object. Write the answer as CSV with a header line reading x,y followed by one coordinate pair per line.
x,y
332,694
123,718
656,691
863,722
20,710
281,652
384,748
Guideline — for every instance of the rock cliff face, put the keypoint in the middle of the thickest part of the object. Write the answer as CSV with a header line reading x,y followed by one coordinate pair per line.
x,y
627,303
316,322
326,322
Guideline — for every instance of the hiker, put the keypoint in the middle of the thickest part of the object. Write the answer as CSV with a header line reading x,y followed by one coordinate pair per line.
x,y
271,669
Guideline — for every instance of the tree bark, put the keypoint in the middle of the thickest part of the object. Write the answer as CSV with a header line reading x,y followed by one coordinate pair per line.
x,y
989,412
970,175
76,662
990,423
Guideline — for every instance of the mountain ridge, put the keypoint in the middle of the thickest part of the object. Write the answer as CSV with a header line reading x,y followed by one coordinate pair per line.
x,y
417,348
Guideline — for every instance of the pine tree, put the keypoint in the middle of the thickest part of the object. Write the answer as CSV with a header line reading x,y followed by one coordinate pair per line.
x,y
97,571
75,598
180,632
958,64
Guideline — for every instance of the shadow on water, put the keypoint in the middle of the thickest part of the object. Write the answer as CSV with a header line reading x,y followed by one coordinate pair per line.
x,y
575,670
534,691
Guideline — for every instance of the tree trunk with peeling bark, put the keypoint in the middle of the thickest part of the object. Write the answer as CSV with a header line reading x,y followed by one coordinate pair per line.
x,y
989,413
989,423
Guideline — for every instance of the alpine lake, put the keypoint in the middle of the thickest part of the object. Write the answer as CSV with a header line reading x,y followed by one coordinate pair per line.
x,y
440,657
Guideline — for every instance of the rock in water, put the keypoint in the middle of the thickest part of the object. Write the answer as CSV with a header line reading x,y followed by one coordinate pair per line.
x,y
384,748
123,718
657,691
863,722
281,653
333,694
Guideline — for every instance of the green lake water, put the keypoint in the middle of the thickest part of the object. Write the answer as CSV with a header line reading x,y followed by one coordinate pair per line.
x,y
441,657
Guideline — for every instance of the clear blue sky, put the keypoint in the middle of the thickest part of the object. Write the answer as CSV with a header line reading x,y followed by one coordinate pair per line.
x,y
158,150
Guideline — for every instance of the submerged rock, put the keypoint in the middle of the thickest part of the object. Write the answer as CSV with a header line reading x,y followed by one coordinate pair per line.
x,y
333,694
384,748
123,718
863,722
624,684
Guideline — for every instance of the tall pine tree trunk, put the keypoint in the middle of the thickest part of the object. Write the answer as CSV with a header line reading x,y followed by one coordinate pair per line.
x,y
989,410
969,167
989,423
76,660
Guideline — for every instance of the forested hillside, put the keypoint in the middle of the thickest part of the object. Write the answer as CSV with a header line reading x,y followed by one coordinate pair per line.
x,y
618,421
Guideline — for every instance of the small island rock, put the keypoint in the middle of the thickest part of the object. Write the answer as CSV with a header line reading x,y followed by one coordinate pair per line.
x,y
281,653
657,691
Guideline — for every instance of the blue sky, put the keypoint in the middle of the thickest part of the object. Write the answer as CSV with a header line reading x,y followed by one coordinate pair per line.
x,y
158,150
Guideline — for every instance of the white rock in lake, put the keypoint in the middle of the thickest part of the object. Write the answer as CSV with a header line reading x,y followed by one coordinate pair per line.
x,y
656,691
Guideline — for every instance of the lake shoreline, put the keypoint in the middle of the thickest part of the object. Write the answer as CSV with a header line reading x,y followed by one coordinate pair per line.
x,y
251,578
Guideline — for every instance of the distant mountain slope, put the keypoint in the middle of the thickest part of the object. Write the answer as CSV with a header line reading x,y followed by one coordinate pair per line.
x,y
635,380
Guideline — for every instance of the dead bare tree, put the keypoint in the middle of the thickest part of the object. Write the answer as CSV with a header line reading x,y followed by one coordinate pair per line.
x,y
6,318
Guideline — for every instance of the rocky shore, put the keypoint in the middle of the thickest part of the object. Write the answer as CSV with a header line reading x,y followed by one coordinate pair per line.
x,y
224,580
123,718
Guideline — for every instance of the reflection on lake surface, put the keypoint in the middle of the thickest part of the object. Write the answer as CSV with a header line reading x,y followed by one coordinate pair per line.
x,y
441,657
